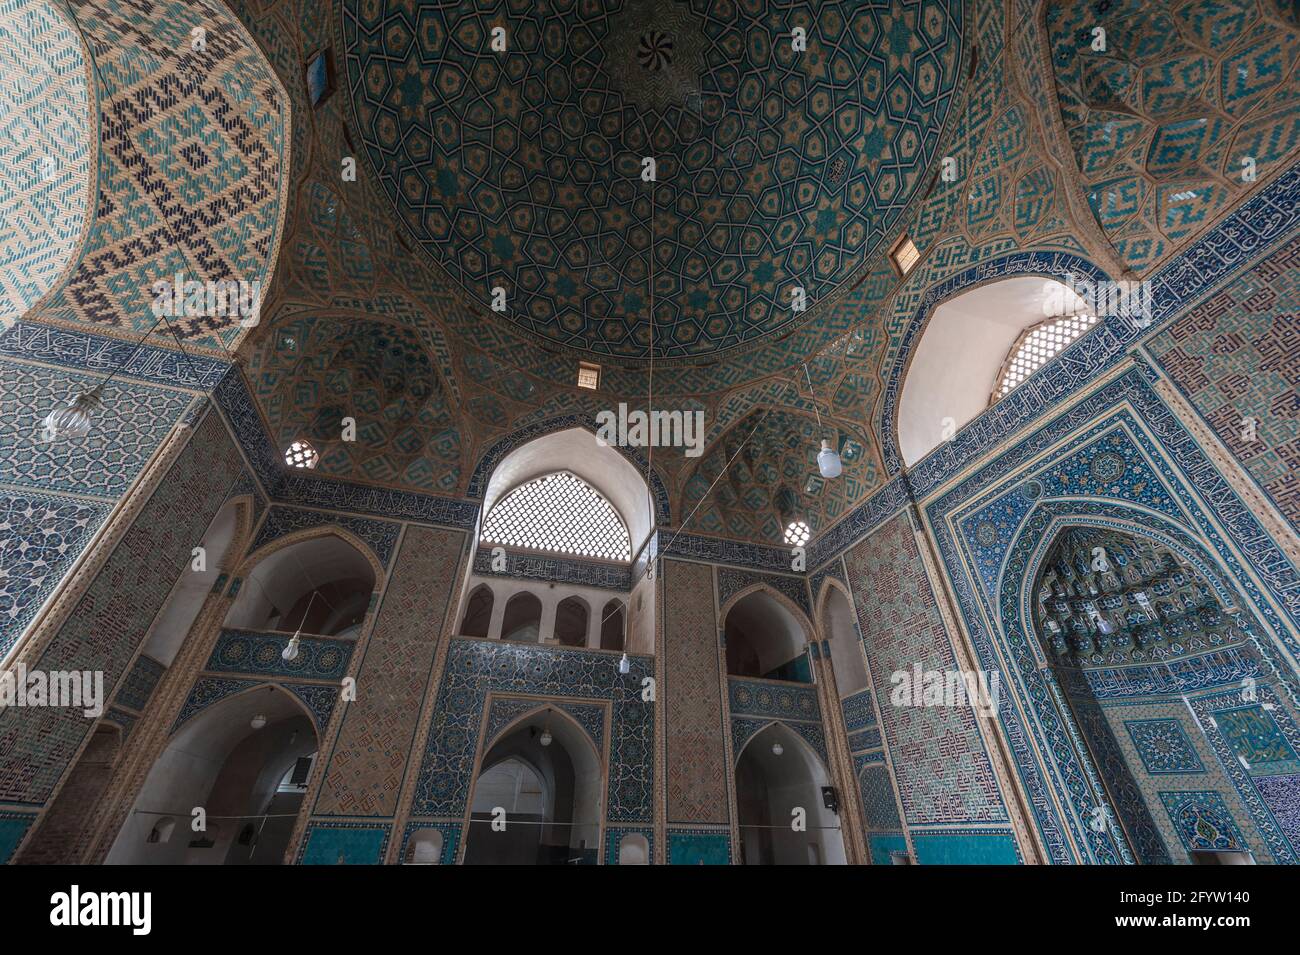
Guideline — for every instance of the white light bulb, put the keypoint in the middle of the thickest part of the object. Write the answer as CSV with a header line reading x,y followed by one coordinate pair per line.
x,y
257,722
545,738
777,749
290,651
71,420
828,461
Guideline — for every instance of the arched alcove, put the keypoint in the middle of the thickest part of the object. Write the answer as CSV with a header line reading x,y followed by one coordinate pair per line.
x,y
633,849
523,618
545,775
779,782
1104,597
321,585
477,618
613,626
424,847
955,367
576,451
847,658
571,620
764,639
249,779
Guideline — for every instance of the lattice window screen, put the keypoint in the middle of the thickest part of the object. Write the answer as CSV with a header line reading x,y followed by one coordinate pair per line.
x,y
559,512
1037,347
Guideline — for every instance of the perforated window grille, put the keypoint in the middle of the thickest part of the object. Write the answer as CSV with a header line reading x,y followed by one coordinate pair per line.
x,y
300,454
559,512
1037,347
797,533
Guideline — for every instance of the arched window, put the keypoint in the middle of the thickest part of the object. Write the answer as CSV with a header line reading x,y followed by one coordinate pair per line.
x,y
523,619
976,348
478,612
559,512
571,622
611,626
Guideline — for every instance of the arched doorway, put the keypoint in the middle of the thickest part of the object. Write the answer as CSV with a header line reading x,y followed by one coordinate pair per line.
x,y
477,619
612,627
571,618
778,773
764,639
244,761
538,796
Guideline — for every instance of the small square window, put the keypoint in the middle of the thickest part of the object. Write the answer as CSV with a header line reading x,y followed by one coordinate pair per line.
x,y
904,255
588,375
320,76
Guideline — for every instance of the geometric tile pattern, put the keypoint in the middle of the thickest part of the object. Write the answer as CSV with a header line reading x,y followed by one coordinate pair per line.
x,y
1282,796
732,581
944,775
40,537
744,729
697,768
476,668
243,651
1163,746
192,176
139,683
1162,118
1256,738
45,151
367,764
505,710
343,843
127,429
525,171
380,535
1203,821
105,627
878,803
1236,357
765,698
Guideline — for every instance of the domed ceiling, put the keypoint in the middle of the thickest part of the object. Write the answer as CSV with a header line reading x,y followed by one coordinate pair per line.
x,y
775,169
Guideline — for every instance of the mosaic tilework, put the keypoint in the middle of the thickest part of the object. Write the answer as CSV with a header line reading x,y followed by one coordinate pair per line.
x,y
73,348
561,570
317,371
1180,462
1282,796
878,805
1148,117
343,843
732,581
380,535
765,698
1256,738
719,551
475,668
763,471
207,690
697,770
40,537
105,627
1236,357
883,845
13,826
1203,821
368,762
1163,746
966,847
575,260
195,182
139,683
698,847
128,430
944,774
245,651
505,710
47,156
